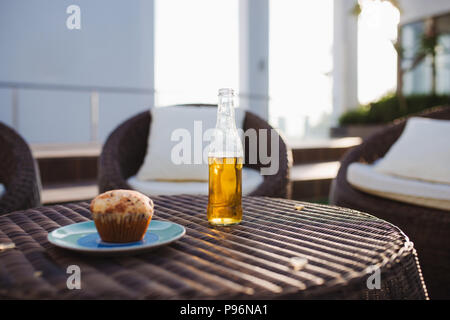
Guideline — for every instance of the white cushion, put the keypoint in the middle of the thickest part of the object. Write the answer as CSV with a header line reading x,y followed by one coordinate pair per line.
x,y
251,179
2,190
422,152
423,193
158,164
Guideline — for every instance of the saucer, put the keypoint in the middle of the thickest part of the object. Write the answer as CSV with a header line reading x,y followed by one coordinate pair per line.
x,y
83,237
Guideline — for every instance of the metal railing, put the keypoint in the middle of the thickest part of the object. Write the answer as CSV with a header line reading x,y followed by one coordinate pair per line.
x,y
94,98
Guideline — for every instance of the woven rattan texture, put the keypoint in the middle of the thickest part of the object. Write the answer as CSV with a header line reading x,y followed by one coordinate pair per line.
x,y
125,149
428,228
248,261
18,172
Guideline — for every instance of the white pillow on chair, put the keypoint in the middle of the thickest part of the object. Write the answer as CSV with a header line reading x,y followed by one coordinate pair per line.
x,y
428,194
158,164
251,180
422,152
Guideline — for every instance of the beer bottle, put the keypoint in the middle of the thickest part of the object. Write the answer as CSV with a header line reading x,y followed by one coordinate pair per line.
x,y
225,160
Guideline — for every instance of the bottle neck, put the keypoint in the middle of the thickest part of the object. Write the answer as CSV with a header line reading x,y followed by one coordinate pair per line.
x,y
225,112
226,142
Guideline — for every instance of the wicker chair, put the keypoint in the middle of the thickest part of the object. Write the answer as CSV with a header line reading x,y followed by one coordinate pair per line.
x,y
125,149
428,228
18,172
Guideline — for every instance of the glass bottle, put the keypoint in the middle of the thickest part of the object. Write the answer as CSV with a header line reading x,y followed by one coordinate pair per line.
x,y
225,160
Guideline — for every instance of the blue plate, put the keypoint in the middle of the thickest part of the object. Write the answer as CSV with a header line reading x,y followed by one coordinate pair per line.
x,y
83,237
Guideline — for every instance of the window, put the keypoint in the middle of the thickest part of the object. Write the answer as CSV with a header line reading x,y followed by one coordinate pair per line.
x,y
300,65
421,72
417,78
443,55
377,57
196,50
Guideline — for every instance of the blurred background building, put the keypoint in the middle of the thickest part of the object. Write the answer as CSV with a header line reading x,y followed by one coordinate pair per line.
x,y
299,64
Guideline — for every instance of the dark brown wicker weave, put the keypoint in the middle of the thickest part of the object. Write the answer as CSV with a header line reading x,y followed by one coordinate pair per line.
x,y
18,172
125,149
428,228
247,261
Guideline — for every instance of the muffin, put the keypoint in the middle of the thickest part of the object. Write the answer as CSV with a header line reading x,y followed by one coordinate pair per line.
x,y
122,215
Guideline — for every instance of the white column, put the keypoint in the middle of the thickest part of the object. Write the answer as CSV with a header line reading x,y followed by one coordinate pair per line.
x,y
345,58
254,56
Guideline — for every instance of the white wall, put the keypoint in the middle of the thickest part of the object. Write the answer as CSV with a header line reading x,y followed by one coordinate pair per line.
x,y
413,10
56,69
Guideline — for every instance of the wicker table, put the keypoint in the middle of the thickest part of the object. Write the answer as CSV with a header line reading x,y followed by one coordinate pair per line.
x,y
255,260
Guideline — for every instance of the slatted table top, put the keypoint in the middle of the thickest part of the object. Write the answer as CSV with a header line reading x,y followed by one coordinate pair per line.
x,y
283,249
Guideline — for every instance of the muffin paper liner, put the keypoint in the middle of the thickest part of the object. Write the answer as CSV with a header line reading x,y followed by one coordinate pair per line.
x,y
121,228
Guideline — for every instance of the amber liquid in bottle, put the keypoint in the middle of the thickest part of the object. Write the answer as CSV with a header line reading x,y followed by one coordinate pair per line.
x,y
225,191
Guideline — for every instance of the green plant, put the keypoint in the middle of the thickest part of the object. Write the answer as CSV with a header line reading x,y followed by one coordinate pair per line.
x,y
388,108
